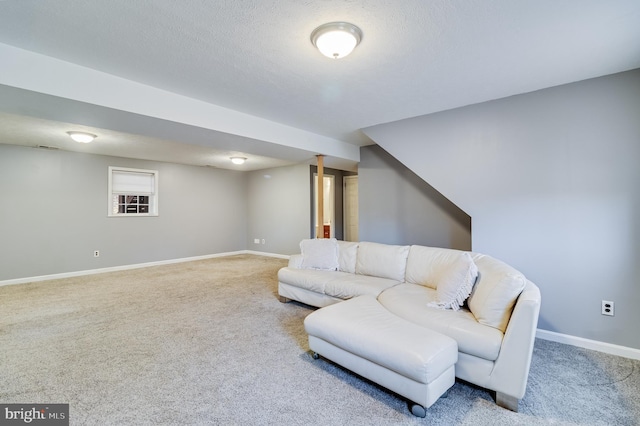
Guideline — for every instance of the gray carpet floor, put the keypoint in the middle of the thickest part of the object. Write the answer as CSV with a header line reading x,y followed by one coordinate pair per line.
x,y
208,342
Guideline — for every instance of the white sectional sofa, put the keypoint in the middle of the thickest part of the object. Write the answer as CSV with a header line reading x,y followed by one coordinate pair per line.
x,y
494,326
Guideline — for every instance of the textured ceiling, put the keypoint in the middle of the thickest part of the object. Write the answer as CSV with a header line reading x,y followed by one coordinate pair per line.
x,y
416,57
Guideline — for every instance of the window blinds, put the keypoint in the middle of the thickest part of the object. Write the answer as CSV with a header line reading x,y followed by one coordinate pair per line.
x,y
126,182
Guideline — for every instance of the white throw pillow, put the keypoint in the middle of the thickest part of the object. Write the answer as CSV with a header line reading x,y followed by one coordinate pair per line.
x,y
319,254
425,264
455,283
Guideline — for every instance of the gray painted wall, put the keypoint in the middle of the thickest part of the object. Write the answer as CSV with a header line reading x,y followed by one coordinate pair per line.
x,y
53,213
278,208
550,179
398,207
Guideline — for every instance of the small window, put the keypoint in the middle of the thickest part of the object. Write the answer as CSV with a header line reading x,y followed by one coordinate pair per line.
x,y
133,192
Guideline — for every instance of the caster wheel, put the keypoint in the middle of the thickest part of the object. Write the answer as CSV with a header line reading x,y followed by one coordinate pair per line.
x,y
418,410
315,355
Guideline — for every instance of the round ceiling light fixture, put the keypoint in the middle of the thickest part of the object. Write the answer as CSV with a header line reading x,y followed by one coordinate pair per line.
x,y
82,137
238,160
336,39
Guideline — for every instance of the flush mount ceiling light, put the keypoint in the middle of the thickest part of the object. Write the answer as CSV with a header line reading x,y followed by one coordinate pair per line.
x,y
238,160
82,137
336,39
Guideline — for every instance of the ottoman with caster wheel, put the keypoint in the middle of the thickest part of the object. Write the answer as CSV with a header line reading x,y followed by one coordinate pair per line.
x,y
362,336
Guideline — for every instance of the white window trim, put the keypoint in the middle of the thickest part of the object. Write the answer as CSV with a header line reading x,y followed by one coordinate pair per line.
x,y
153,198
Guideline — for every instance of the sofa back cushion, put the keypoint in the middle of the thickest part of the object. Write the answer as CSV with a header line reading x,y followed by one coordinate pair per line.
x,y
496,291
347,252
425,265
382,260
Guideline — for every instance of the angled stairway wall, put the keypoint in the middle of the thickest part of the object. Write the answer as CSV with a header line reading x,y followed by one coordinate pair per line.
x,y
398,207
550,181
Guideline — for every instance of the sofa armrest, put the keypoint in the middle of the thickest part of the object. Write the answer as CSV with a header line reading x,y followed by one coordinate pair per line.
x,y
511,369
295,261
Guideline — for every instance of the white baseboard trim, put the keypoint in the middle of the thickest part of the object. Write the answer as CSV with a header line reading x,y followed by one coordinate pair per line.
x,y
133,266
264,253
595,345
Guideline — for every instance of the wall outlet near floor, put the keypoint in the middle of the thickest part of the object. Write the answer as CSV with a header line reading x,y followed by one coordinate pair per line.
x,y
607,308
96,253
256,241
263,241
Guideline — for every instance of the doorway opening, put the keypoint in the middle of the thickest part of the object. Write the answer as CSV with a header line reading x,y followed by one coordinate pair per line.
x,y
340,201
350,205
329,209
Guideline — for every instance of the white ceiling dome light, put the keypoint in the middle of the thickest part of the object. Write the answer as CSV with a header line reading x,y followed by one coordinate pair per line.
x,y
82,137
238,160
336,39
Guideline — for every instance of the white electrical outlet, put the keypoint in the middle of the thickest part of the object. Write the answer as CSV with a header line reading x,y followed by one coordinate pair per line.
x,y
607,308
96,253
263,241
256,241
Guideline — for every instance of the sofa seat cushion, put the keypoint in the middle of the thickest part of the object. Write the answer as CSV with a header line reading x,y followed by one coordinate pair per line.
x,y
409,301
334,283
309,279
346,286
